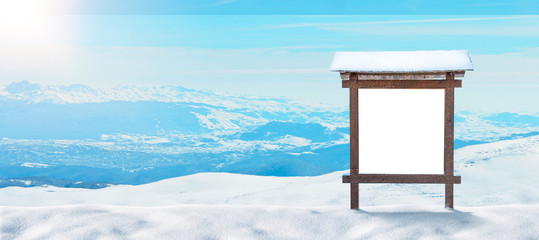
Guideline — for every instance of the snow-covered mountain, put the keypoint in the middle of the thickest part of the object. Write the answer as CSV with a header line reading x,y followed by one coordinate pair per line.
x,y
497,199
503,172
58,137
88,137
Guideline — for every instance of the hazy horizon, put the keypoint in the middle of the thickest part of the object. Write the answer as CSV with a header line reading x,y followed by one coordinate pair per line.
x,y
101,45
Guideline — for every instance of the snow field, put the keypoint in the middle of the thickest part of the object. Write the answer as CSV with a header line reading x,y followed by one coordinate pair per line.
x,y
498,199
268,222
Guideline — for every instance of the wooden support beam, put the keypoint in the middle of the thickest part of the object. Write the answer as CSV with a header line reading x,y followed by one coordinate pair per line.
x,y
354,147
449,117
402,178
449,195
354,196
402,84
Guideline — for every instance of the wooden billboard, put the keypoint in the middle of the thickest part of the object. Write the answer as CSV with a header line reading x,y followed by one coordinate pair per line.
x,y
402,70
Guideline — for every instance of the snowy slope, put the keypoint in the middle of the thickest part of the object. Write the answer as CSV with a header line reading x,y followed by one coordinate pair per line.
x,y
498,199
266,222
502,172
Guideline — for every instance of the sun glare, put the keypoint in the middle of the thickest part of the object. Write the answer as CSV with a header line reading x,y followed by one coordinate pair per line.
x,y
31,22
33,35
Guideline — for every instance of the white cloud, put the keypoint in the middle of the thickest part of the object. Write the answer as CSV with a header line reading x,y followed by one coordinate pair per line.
x,y
268,72
500,81
256,71
531,30
523,26
507,69
391,22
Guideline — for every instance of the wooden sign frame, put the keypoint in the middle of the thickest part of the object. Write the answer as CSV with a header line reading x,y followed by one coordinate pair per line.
x,y
416,80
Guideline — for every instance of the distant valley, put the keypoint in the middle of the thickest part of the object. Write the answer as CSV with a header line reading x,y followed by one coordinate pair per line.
x,y
79,136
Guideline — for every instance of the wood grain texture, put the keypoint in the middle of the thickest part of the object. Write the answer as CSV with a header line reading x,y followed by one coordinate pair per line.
x,y
449,195
402,84
354,147
354,196
401,178
449,116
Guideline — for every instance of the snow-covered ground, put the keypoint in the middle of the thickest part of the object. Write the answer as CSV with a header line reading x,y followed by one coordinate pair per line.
x,y
268,222
498,199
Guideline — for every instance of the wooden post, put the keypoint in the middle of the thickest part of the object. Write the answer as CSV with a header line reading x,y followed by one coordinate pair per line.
x,y
449,138
354,164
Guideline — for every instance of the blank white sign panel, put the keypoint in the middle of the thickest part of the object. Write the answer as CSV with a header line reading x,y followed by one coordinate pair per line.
x,y
401,131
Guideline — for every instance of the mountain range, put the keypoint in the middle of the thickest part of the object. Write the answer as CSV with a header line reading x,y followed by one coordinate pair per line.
x,y
80,136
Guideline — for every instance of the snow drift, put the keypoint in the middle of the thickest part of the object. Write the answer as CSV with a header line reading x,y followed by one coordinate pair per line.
x,y
498,199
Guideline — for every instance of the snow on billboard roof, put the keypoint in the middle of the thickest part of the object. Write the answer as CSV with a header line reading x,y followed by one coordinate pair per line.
x,y
402,61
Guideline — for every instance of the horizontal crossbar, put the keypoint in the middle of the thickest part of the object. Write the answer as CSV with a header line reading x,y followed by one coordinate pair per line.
x,y
410,84
400,178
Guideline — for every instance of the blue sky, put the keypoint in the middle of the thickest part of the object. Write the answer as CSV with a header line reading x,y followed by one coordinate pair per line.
x,y
107,44
297,7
